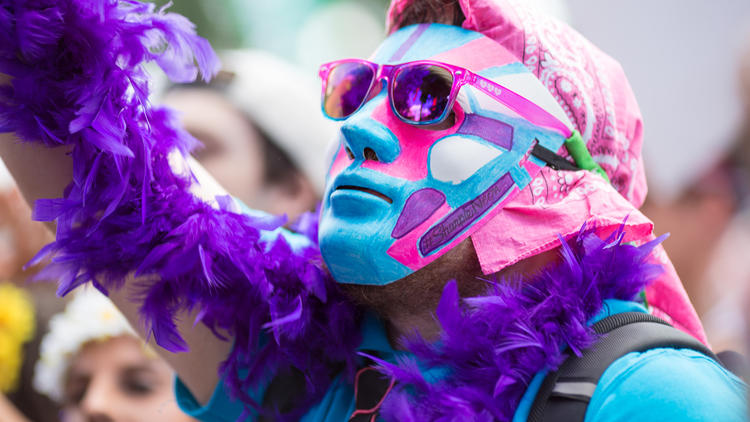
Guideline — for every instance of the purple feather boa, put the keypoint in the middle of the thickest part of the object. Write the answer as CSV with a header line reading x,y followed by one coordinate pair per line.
x,y
78,80
492,346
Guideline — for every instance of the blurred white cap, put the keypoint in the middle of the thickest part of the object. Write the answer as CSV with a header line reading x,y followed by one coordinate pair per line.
x,y
278,97
285,103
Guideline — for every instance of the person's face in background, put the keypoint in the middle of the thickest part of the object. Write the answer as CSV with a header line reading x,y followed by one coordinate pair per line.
x,y
232,150
117,380
234,153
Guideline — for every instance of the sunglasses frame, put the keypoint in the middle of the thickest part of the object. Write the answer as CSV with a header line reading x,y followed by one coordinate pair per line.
x,y
461,76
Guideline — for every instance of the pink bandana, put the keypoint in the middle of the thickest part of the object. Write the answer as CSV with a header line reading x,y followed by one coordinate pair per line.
x,y
592,89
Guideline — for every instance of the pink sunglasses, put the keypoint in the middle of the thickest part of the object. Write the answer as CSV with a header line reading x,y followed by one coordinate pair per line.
x,y
423,92
420,92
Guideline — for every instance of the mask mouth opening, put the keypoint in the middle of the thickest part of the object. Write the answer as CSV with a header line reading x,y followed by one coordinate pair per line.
x,y
367,190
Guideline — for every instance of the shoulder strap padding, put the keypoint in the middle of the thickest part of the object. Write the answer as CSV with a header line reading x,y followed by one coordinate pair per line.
x,y
564,394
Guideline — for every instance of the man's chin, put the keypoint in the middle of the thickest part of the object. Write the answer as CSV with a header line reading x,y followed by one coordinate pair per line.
x,y
421,291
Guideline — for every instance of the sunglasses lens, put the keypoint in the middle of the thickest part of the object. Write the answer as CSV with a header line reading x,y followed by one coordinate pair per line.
x,y
421,92
346,88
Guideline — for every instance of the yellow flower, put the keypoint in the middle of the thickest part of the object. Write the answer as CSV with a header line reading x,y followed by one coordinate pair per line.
x,y
16,328
10,362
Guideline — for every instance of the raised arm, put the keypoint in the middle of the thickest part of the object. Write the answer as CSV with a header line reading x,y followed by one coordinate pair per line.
x,y
39,172
137,222
43,172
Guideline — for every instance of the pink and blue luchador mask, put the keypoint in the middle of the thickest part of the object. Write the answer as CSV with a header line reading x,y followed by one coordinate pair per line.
x,y
400,193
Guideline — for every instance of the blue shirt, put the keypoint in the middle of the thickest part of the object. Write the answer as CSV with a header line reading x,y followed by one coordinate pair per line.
x,y
656,385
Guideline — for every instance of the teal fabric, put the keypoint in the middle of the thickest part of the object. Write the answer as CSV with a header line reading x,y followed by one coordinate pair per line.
x,y
220,408
667,385
657,385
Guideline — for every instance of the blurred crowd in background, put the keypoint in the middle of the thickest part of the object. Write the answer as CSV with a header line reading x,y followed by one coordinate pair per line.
x,y
265,141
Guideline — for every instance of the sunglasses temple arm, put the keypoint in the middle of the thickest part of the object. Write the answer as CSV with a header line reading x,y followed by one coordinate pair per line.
x,y
525,108
533,113
577,151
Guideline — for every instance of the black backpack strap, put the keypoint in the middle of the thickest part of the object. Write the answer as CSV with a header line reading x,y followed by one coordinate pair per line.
x,y
736,363
286,392
564,395
283,394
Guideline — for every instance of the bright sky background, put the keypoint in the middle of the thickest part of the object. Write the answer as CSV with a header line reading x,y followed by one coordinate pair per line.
x,y
681,57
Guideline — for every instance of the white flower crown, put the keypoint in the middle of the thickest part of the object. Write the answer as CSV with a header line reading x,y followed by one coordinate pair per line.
x,y
88,316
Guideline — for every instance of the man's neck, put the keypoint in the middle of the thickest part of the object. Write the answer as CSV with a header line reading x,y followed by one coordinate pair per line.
x,y
424,324
408,305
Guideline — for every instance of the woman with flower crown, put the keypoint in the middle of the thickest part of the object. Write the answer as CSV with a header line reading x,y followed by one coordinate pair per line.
x,y
95,366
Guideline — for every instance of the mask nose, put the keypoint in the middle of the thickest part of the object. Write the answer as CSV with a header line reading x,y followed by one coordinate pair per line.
x,y
367,139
